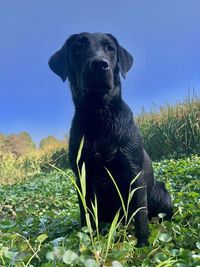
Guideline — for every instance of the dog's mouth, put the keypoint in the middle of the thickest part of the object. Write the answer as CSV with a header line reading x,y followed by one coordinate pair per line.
x,y
97,82
98,85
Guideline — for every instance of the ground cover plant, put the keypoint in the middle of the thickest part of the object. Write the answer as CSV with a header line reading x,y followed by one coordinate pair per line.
x,y
39,224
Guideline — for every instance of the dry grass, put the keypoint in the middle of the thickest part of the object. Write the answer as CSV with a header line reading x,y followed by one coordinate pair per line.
x,y
19,168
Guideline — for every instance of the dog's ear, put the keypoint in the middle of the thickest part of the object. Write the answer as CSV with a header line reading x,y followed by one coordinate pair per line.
x,y
58,63
125,60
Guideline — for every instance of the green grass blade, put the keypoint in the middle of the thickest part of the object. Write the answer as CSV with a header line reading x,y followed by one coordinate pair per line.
x,y
135,178
133,215
95,215
83,180
111,233
132,192
80,150
118,191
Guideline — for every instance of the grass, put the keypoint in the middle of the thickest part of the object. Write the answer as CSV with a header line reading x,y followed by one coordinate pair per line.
x,y
39,213
20,168
39,224
172,131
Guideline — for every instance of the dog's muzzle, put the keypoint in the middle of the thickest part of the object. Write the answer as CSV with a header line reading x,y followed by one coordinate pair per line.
x,y
97,76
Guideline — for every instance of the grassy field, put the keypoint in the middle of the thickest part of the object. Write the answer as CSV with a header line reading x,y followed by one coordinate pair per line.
x,y
39,214
39,224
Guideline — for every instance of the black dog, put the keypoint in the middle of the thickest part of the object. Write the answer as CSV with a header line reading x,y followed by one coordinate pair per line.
x,y
92,62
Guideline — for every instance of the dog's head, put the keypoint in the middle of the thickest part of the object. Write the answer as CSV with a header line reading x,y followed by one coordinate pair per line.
x,y
91,62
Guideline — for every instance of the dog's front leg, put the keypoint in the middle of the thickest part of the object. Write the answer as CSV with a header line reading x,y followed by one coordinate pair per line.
x,y
141,217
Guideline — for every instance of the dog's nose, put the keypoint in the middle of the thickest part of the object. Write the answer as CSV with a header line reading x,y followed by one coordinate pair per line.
x,y
99,64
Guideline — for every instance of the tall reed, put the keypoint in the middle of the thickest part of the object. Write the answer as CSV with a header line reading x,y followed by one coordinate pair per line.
x,y
172,130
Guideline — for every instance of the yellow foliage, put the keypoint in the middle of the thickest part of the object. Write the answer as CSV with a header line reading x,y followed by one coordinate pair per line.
x,y
19,168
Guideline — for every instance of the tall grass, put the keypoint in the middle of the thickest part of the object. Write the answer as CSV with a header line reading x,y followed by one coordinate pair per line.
x,y
172,131
15,168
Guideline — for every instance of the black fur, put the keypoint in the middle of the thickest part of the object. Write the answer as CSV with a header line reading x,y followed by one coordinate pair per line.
x,y
92,63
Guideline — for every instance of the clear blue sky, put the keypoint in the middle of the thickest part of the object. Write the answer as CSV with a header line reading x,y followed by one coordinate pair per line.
x,y
162,36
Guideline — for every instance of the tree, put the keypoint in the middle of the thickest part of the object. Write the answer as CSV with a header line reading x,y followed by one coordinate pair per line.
x,y
19,144
2,141
27,140
50,142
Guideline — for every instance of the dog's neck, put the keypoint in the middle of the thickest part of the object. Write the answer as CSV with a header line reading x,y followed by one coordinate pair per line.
x,y
98,111
93,101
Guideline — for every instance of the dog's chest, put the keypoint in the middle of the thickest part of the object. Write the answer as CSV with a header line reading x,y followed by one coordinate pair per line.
x,y
102,136
100,150
106,131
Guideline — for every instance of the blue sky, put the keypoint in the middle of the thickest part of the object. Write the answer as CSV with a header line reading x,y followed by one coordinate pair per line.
x,y
162,36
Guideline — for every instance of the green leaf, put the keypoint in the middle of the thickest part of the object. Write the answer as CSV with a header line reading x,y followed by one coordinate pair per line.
x,y
175,252
164,237
50,256
69,256
41,238
198,245
160,257
161,215
10,254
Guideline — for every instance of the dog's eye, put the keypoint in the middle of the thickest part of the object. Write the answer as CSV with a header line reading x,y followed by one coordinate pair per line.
x,y
78,47
110,48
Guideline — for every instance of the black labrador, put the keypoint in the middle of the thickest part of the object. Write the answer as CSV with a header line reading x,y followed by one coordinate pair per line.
x,y
93,62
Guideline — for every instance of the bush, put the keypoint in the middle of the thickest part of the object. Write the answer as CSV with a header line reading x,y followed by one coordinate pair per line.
x,y
57,157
